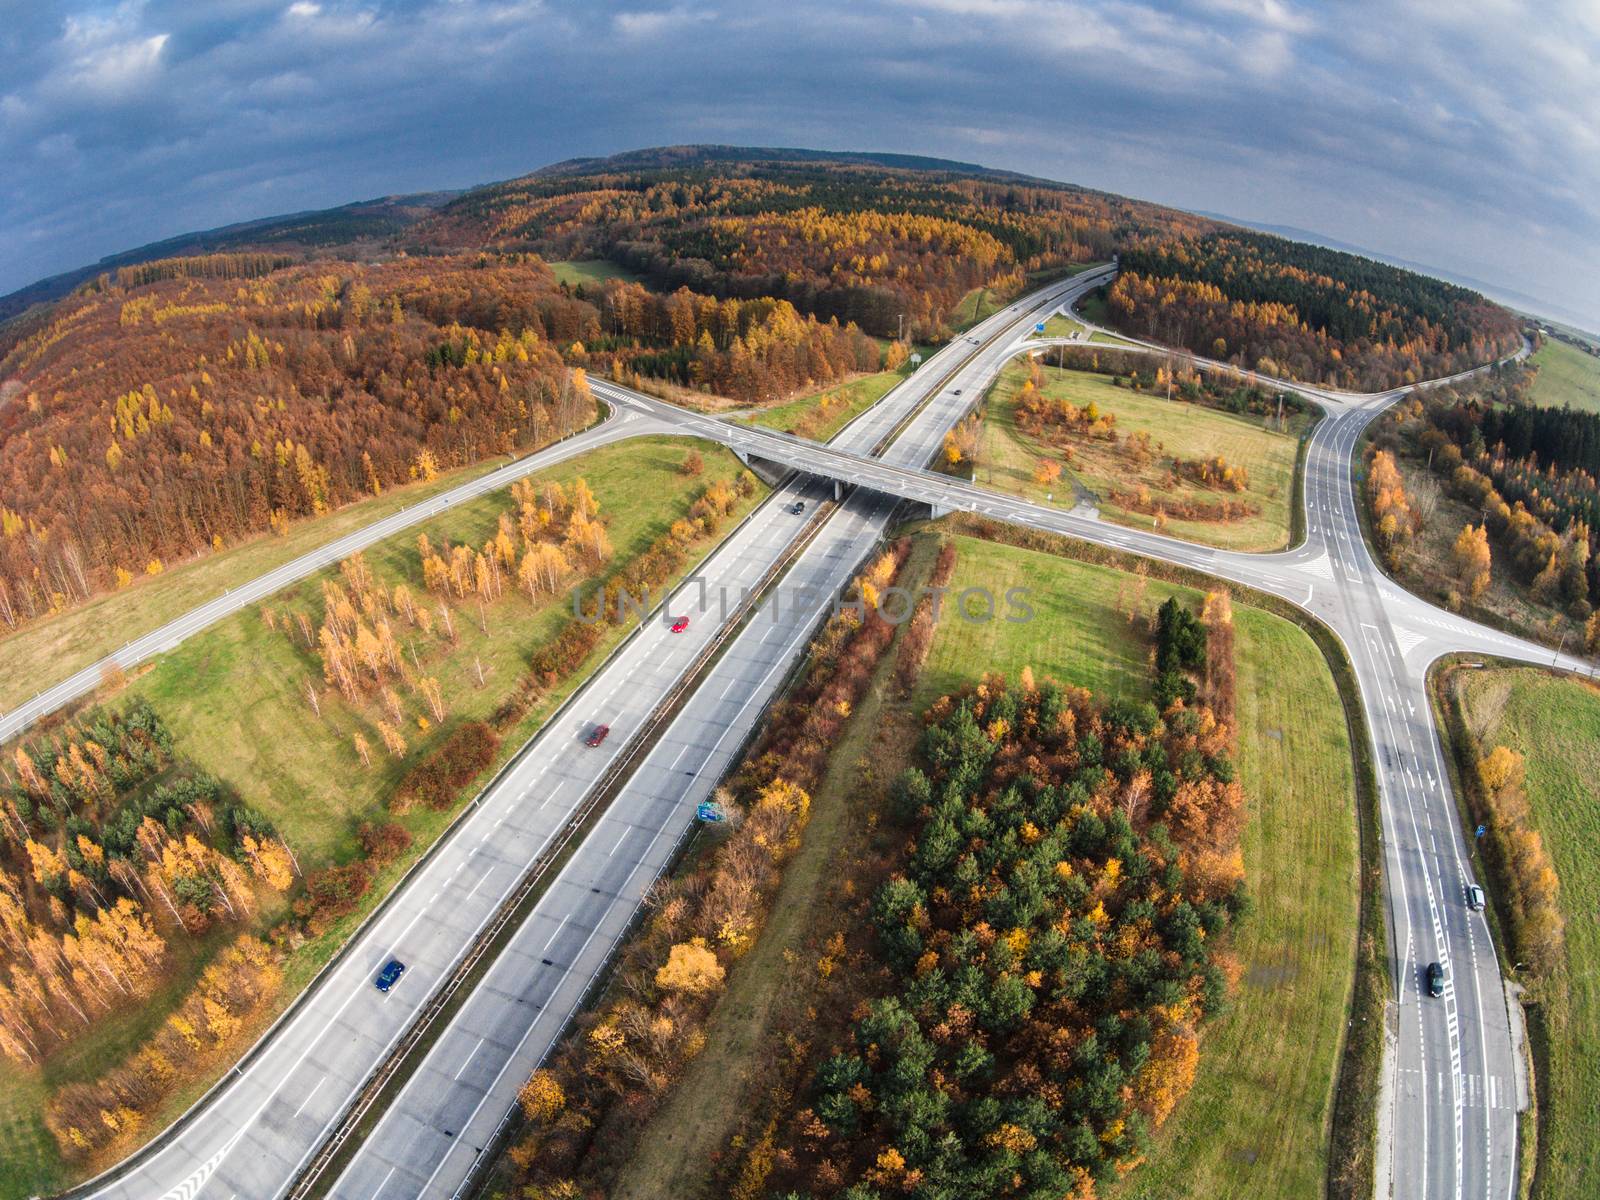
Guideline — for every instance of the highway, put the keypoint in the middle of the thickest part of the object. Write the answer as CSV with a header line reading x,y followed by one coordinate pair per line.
x,y
433,1136
1458,1100
1456,1090
1453,1126
251,1135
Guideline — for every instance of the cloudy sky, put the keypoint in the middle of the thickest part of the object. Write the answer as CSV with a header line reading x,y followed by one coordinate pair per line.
x,y
1462,133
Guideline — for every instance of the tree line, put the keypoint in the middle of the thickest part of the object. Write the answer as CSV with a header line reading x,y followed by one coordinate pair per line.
x,y
161,419
856,243
1536,517
1293,309
109,848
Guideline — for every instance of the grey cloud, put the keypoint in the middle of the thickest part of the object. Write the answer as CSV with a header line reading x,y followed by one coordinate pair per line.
x,y
1459,134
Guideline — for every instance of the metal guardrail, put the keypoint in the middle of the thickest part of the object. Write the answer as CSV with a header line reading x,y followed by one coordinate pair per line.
x,y
599,797
111,1174
489,1151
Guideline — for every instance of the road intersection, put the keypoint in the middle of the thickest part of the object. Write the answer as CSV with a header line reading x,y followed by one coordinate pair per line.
x,y
252,1135
1456,1096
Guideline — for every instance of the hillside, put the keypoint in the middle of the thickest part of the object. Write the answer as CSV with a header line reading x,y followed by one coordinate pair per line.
x,y
347,227
186,404
862,238
1304,311
175,405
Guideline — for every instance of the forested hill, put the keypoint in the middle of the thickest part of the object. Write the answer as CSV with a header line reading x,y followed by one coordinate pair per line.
x,y
361,225
183,405
170,407
857,238
1288,308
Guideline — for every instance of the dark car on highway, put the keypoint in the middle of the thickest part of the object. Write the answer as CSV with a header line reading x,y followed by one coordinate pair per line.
x,y
390,975
597,735
799,506
1435,979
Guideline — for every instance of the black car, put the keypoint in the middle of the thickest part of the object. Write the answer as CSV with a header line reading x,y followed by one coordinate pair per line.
x,y
390,975
1435,979
799,506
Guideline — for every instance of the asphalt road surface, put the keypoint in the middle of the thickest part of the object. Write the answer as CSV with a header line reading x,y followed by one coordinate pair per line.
x,y
251,1135
1455,1099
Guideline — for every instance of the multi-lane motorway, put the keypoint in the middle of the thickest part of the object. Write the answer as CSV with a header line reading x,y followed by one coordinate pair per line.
x,y
253,1135
1455,1094
1455,1074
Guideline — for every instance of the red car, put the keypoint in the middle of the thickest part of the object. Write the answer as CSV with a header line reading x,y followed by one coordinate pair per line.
x,y
597,735
679,625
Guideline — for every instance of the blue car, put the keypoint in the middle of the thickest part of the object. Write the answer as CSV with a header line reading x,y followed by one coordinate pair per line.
x,y
390,975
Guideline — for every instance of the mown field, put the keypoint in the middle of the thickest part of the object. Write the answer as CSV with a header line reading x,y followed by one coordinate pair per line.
x,y
592,270
45,652
1566,376
233,700
1007,458
1555,724
1061,326
822,414
1256,1121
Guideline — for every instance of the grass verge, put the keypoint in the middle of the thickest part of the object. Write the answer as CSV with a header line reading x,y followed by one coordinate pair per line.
x,y
975,306
1554,722
1007,457
822,414
1297,951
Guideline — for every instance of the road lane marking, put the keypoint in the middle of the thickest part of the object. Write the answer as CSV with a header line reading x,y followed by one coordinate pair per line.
x,y
320,1081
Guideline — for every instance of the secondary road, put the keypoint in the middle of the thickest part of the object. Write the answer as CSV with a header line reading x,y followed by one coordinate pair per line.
x,y
615,427
1448,1090
1456,1091
253,1132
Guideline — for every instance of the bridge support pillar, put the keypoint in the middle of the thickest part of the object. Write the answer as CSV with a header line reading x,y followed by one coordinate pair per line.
x,y
770,473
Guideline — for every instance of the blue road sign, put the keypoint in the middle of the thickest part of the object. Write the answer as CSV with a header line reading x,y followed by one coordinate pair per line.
x,y
1038,327
708,812
1482,830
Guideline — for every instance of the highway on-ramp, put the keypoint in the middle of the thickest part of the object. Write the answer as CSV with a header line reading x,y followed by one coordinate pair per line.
x,y
1456,1093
